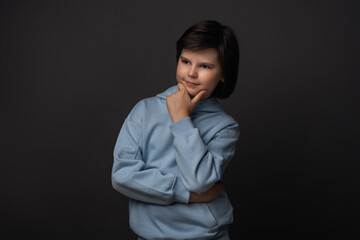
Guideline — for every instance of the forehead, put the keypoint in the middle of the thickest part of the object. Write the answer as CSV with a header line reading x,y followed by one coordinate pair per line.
x,y
202,55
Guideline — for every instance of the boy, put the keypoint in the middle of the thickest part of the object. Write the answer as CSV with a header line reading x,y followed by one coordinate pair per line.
x,y
173,149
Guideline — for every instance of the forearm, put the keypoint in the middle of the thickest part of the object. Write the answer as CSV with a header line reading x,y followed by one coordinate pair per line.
x,y
202,165
147,185
131,178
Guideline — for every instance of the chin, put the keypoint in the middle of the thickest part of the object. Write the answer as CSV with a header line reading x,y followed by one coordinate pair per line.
x,y
191,92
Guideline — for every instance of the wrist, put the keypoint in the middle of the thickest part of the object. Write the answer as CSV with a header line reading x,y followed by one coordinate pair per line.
x,y
179,116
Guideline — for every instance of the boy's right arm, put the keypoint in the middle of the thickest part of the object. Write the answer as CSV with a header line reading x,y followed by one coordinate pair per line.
x,y
130,177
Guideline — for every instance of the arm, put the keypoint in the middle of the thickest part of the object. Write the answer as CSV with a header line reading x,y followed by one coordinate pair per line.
x,y
130,177
202,165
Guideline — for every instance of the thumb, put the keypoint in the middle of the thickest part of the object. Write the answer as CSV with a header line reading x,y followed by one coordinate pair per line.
x,y
198,97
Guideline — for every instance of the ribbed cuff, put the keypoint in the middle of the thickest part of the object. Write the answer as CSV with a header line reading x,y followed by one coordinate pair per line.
x,y
181,194
182,127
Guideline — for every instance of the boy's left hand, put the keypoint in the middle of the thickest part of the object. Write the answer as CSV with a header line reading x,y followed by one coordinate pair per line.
x,y
180,105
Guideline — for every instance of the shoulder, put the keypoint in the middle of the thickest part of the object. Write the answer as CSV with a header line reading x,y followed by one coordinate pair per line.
x,y
229,120
210,110
143,108
227,124
223,126
212,121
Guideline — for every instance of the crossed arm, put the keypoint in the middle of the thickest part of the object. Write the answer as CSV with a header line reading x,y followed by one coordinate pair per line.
x,y
180,105
131,178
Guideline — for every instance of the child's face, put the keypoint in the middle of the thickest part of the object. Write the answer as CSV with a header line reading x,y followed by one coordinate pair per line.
x,y
199,70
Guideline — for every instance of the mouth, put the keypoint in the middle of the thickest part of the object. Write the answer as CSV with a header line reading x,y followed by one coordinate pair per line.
x,y
191,84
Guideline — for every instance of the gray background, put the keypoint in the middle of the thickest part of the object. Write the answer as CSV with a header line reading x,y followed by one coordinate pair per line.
x,y
72,70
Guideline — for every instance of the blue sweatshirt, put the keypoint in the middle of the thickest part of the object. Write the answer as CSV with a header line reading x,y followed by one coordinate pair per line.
x,y
157,163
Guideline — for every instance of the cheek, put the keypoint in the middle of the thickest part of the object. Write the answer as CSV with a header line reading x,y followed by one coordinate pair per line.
x,y
212,80
179,72
211,84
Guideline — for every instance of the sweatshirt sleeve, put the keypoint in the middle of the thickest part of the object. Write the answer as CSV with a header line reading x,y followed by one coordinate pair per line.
x,y
202,165
132,179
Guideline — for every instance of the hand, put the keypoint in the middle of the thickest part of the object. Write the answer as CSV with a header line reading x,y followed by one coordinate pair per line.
x,y
207,196
180,105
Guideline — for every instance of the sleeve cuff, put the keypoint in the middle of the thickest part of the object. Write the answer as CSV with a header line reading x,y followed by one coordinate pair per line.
x,y
181,194
182,127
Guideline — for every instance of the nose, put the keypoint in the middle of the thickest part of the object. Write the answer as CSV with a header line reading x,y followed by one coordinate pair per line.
x,y
192,73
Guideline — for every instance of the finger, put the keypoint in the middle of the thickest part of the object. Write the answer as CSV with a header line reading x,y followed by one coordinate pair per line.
x,y
198,97
181,86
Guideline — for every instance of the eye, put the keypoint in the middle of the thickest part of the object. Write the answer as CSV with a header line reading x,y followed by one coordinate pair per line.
x,y
185,61
205,66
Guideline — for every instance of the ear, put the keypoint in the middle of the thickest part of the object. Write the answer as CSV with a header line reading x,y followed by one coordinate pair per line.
x,y
222,79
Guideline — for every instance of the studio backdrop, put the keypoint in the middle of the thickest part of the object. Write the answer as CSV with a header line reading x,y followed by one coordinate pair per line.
x,y
72,70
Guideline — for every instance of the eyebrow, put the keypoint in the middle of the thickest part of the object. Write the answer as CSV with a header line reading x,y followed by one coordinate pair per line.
x,y
201,63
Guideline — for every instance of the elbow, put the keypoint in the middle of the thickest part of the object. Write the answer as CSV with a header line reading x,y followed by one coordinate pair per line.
x,y
200,183
117,183
114,182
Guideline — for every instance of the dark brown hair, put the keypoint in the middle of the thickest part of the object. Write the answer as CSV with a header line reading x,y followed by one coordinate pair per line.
x,y
212,34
